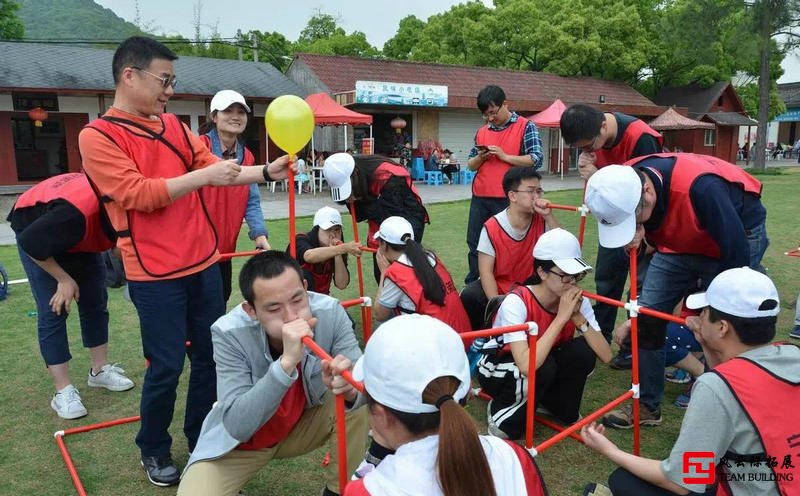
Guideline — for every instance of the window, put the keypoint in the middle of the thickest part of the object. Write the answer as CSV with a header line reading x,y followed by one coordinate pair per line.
x,y
710,138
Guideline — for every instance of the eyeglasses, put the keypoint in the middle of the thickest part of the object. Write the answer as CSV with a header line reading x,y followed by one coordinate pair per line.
x,y
587,147
492,113
536,192
165,81
569,278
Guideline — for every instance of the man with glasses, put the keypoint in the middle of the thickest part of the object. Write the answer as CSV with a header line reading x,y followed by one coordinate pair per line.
x,y
146,168
506,241
506,141
605,138
703,216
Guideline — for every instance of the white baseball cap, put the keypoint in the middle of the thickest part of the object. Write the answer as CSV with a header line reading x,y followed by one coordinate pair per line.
x,y
337,171
741,292
393,229
404,355
563,249
225,98
327,217
612,195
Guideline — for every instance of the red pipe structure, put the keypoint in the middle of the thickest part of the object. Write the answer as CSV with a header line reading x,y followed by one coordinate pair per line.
x,y
292,226
583,211
793,253
360,271
633,312
228,256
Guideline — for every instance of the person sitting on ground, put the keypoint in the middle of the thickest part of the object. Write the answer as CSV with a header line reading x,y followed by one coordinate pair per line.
x,y
322,253
416,378
60,238
273,400
507,240
450,166
413,279
739,417
569,339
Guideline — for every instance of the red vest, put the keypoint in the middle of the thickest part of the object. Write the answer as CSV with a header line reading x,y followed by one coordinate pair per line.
x,y
542,317
280,425
382,174
226,205
488,183
73,188
452,313
176,237
680,231
513,260
322,274
766,400
623,151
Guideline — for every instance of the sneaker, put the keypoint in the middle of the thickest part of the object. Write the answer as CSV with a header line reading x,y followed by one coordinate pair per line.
x,y
682,401
795,332
67,403
492,428
678,376
622,418
110,377
596,489
161,470
622,361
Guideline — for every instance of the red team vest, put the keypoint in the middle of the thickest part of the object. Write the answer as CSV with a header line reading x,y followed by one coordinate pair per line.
x,y
623,151
452,313
322,274
226,205
542,317
382,174
280,425
513,262
766,400
680,231
180,235
73,188
488,183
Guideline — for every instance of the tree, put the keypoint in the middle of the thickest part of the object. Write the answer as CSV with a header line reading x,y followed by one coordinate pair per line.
x,y
323,35
319,27
456,37
11,27
402,43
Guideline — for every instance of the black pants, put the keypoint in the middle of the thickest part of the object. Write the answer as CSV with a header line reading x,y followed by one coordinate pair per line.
x,y
610,275
623,483
226,270
474,300
559,385
480,209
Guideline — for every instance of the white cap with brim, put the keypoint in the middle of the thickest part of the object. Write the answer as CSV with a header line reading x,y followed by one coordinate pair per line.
x,y
741,292
563,249
327,217
225,98
404,355
395,230
337,171
612,195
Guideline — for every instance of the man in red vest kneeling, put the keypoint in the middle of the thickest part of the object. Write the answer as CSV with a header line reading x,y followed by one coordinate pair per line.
x,y
740,431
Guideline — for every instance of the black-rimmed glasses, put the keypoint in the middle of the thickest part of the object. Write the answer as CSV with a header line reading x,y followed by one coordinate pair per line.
x,y
165,81
569,278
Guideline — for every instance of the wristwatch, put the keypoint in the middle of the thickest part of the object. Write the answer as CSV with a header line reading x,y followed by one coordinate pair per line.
x,y
583,327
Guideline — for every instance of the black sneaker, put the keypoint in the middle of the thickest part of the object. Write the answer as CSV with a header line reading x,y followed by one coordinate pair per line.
x,y
161,470
622,361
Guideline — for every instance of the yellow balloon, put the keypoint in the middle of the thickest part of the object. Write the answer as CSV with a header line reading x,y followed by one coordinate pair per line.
x,y
290,123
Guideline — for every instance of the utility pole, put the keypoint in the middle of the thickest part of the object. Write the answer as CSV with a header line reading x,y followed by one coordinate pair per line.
x,y
255,48
239,39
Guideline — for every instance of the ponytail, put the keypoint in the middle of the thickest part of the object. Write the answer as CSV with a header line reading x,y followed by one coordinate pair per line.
x,y
432,284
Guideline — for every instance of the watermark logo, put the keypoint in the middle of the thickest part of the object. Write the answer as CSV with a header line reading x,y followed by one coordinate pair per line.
x,y
701,463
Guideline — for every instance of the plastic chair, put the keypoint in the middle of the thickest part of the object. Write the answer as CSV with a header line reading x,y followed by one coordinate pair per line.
x,y
417,169
466,176
284,185
433,178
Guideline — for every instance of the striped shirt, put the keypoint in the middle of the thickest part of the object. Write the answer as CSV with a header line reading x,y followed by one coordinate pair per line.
x,y
531,144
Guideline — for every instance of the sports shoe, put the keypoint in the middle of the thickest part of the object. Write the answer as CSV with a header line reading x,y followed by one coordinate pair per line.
x,y
622,361
161,470
678,376
622,418
682,401
795,332
110,377
491,427
67,403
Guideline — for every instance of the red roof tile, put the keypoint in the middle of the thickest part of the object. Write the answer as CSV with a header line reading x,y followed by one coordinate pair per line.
x,y
526,91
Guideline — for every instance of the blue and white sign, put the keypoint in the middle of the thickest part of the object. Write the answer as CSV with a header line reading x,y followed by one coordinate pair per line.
x,y
791,115
381,92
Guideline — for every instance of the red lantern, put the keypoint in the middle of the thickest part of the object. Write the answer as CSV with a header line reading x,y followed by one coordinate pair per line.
x,y
37,115
398,124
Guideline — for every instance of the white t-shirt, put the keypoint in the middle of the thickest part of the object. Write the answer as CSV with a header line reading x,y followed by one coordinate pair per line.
x,y
485,245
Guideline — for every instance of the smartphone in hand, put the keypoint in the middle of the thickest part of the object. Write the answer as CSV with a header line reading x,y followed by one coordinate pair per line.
x,y
482,148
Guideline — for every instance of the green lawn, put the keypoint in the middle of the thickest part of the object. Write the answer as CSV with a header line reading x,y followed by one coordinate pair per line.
x,y
107,460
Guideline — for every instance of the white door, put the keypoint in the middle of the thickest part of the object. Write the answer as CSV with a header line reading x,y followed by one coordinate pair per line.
x,y
457,131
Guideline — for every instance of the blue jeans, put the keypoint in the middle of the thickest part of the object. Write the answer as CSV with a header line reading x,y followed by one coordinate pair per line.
x,y
669,278
171,312
92,306
480,209
610,275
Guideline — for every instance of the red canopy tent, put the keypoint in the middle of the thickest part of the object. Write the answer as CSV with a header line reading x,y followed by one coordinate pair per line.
x,y
551,118
329,113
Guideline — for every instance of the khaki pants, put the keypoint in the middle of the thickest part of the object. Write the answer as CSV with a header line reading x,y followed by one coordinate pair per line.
x,y
227,475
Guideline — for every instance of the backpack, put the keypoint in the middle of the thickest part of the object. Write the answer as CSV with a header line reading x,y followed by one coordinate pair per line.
x,y
3,283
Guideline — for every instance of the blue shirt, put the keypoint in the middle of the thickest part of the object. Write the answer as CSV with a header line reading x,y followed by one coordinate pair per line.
x,y
531,144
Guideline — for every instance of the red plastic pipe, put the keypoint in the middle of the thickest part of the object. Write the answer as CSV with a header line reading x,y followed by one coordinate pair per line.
x,y
292,227
228,256
644,310
635,353
100,425
360,272
76,481
351,303
563,207
485,333
341,445
314,347
532,339
557,427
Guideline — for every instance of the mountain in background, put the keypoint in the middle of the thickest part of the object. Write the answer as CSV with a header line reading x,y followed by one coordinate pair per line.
x,y
72,19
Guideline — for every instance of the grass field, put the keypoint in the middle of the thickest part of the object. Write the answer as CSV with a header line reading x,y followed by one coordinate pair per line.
x,y
107,460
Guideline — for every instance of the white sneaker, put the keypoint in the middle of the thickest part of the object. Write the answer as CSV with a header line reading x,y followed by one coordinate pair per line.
x,y
491,427
67,403
110,377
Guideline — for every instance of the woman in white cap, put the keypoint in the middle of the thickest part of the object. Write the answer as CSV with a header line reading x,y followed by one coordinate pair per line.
x,y
568,340
416,379
413,279
378,188
322,252
227,206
